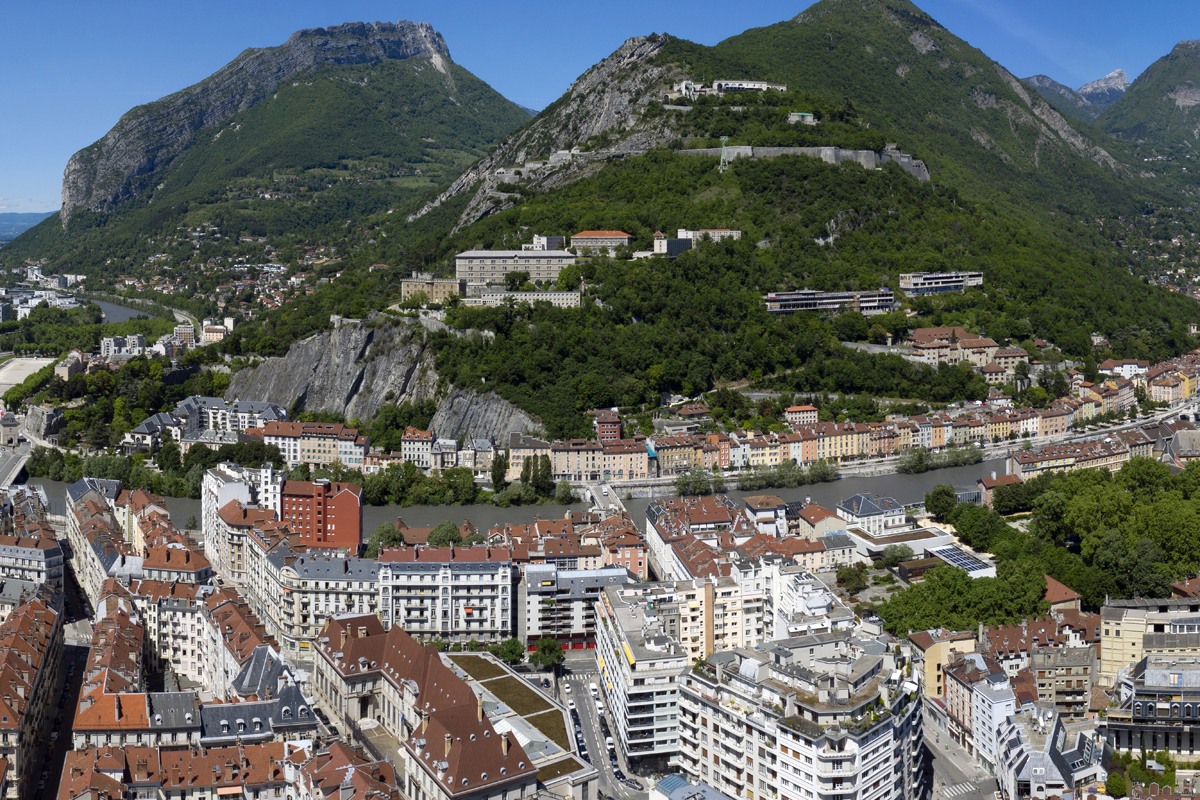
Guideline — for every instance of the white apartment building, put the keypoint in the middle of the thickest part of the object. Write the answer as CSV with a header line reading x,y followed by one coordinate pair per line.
x,y
498,297
559,603
198,413
639,669
132,345
223,484
993,702
28,559
455,593
1042,757
922,283
416,447
773,722
713,234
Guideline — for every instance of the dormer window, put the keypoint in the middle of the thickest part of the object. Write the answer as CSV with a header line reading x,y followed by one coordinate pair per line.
x,y
303,712
224,726
287,712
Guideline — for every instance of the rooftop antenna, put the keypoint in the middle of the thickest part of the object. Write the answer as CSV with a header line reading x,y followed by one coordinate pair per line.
x,y
724,167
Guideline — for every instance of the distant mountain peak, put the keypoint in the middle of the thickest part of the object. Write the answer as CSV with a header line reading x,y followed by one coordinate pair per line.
x,y
1106,91
1115,79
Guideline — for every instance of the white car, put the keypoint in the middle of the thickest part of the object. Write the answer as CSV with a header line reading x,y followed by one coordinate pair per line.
x,y
567,688
608,741
571,704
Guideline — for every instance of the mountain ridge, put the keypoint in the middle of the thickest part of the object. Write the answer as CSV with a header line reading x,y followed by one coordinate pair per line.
x,y
973,120
1063,97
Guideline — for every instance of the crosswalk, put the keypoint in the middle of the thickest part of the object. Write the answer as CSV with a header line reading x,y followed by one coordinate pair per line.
x,y
958,789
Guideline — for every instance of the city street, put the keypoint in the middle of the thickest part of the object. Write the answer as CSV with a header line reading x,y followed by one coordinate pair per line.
x,y
579,673
77,634
956,776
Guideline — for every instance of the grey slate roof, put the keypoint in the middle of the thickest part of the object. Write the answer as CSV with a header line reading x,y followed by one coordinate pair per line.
x,y
106,488
169,710
219,723
291,698
261,674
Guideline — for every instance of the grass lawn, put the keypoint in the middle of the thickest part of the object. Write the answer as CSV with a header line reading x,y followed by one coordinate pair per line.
x,y
513,692
558,769
551,723
478,667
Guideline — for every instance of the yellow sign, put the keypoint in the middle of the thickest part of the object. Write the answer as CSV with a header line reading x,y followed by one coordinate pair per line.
x,y
629,656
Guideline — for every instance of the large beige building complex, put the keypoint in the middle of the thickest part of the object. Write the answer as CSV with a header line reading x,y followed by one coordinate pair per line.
x,y
490,266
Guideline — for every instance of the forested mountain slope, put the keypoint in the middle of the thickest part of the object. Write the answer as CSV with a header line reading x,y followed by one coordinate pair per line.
x,y
908,79
338,123
1160,106
683,325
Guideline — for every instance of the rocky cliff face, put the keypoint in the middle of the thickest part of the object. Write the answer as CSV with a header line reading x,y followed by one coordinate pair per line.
x,y
351,370
604,100
146,140
1106,91
358,367
467,414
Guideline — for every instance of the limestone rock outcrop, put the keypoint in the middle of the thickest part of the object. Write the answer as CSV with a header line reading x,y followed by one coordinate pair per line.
x,y
360,366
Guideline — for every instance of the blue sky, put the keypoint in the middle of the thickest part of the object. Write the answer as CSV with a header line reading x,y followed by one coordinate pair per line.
x,y
69,69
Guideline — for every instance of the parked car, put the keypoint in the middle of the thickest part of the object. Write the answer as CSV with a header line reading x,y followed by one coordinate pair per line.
x,y
608,742
571,704
566,688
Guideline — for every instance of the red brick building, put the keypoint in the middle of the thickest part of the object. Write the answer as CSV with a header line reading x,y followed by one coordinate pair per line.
x,y
607,424
324,513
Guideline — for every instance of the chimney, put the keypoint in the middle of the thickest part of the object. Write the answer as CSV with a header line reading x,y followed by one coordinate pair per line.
x,y
993,474
479,708
448,740
140,771
343,638
424,722
229,771
504,743
346,790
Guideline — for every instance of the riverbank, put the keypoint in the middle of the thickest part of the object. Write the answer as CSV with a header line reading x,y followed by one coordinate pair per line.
x,y
119,309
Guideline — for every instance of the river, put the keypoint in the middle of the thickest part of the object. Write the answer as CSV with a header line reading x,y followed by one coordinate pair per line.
x,y
904,488
115,313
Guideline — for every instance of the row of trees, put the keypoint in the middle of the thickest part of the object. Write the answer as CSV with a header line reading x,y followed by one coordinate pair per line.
x,y
786,474
174,476
916,460
1124,534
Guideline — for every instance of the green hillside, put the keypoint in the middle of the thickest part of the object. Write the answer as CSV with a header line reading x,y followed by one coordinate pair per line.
x,y
976,126
344,143
685,325
1160,108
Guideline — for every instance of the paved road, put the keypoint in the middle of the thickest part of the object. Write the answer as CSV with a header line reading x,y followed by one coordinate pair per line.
x,y
78,635
956,775
9,458
578,674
